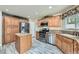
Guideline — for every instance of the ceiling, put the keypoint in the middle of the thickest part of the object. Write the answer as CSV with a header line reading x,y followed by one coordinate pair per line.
x,y
33,11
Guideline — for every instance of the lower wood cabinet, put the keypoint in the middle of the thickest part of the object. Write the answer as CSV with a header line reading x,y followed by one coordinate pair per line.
x,y
67,46
64,44
76,48
58,41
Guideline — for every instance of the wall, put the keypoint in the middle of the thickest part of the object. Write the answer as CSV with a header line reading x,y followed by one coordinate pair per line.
x,y
0,29
32,28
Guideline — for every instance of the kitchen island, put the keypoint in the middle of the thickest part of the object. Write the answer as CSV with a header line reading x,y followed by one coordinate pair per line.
x,y
23,42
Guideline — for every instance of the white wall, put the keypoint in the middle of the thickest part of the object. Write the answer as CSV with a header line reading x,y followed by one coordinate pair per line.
x,y
0,29
32,28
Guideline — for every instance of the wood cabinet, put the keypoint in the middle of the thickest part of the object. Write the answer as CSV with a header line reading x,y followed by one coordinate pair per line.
x,y
58,41
37,35
10,27
78,48
55,21
23,42
15,27
65,44
75,47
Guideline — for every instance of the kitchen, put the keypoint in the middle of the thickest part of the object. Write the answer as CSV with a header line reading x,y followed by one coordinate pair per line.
x,y
48,34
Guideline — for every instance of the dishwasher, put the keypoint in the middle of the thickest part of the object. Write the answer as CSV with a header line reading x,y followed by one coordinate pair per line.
x,y
51,38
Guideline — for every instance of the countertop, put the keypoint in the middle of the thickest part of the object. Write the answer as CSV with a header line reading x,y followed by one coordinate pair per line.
x,y
23,34
71,37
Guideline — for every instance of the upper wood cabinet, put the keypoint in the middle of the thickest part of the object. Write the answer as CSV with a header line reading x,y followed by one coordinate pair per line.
x,y
54,21
23,42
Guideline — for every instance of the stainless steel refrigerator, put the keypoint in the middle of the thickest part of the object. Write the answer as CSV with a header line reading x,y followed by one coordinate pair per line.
x,y
24,27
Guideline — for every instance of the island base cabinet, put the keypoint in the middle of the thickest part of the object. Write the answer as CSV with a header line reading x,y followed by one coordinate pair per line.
x,y
23,43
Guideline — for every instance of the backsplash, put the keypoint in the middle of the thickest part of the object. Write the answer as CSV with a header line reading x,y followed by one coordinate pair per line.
x,y
71,32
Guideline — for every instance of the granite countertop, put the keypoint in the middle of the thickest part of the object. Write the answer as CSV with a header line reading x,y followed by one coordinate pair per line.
x,y
23,34
71,37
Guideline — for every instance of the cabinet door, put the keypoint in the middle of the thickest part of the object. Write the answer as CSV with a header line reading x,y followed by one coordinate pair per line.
x,y
64,46
69,46
7,24
17,44
54,21
58,41
78,48
50,24
29,41
15,28
7,29
75,47
23,44
7,20
7,38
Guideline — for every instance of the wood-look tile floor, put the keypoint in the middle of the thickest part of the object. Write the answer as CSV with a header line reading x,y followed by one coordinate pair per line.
x,y
37,48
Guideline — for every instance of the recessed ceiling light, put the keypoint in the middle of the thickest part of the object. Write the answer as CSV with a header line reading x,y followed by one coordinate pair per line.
x,y
50,7
7,9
